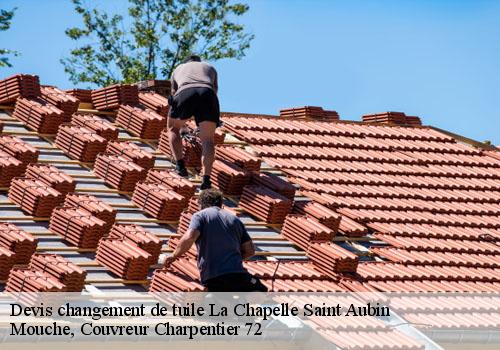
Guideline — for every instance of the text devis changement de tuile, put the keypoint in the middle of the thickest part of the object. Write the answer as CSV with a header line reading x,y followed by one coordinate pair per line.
x,y
192,310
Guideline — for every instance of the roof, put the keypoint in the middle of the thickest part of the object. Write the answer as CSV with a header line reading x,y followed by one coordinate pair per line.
x,y
395,207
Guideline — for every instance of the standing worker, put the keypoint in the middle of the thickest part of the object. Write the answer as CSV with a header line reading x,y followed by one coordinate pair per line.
x,y
194,93
222,242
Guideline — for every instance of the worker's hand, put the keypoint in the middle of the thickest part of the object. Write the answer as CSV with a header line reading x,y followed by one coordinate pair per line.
x,y
169,260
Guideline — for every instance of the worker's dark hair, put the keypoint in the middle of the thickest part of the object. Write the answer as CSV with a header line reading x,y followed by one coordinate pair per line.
x,y
210,198
192,58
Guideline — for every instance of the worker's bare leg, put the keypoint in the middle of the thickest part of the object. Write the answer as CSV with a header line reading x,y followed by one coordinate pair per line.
x,y
207,132
174,135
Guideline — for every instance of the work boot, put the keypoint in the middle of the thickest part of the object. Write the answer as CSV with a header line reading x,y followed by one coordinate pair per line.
x,y
206,183
180,168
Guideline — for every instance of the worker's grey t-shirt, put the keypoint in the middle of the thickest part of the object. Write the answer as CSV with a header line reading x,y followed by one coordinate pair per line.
x,y
194,74
221,236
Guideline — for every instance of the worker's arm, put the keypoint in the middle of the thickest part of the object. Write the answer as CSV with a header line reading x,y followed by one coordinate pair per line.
x,y
247,250
185,243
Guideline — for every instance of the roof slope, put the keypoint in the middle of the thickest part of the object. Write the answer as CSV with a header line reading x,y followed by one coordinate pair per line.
x,y
404,207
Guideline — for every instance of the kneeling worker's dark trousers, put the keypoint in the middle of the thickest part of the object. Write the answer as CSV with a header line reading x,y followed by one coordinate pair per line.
x,y
235,282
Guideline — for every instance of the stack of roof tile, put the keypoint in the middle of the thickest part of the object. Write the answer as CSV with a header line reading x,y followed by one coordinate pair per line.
x,y
100,126
413,121
69,274
80,143
83,95
330,258
386,118
39,115
51,176
228,177
111,97
303,230
326,216
161,87
307,112
34,197
275,183
331,115
188,266
194,204
170,280
347,226
159,201
265,204
10,167
124,258
144,123
19,149
140,237
238,156
94,206
19,85
133,152
18,241
155,102
29,280
184,222
191,147
172,180
67,103
7,260
118,171
77,226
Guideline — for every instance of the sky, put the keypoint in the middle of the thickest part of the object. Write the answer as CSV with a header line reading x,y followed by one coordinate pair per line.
x,y
436,59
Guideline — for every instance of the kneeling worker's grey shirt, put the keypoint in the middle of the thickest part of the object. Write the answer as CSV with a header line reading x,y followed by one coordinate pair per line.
x,y
219,243
194,74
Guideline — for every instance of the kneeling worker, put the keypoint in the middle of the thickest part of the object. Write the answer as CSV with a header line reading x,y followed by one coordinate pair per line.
x,y
222,242
194,93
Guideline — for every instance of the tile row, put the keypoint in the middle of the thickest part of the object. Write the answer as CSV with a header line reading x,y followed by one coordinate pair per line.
x,y
369,155
331,191
315,166
441,244
384,271
419,181
346,142
433,231
421,217
285,125
411,257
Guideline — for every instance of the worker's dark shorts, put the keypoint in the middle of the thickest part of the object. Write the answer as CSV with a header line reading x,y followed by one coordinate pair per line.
x,y
235,282
200,102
